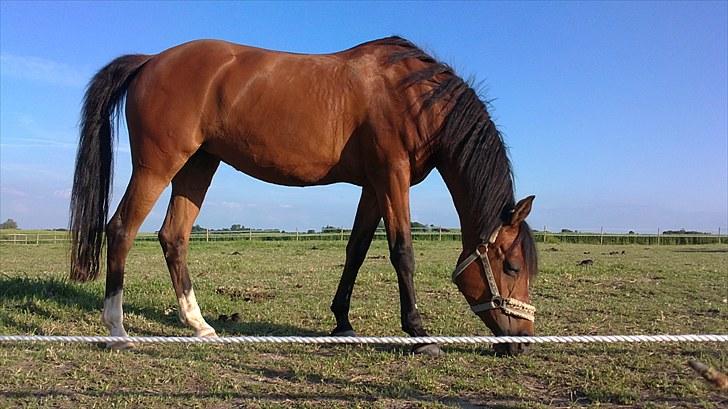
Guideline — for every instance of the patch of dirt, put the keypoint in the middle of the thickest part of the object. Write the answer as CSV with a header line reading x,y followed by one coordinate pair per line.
x,y
710,312
250,294
234,317
437,294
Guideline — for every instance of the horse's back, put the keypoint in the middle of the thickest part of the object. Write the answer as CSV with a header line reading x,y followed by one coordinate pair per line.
x,y
282,117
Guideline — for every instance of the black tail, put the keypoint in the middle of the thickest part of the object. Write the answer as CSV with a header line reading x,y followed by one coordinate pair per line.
x,y
94,163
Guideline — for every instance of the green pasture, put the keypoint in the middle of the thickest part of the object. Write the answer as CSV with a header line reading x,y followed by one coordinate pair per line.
x,y
285,288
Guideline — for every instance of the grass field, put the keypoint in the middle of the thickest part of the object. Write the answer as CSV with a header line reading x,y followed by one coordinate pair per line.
x,y
286,287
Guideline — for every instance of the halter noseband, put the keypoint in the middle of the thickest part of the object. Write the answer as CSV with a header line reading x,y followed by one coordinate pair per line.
x,y
509,306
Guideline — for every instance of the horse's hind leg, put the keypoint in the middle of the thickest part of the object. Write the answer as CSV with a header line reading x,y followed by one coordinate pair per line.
x,y
189,187
142,192
365,224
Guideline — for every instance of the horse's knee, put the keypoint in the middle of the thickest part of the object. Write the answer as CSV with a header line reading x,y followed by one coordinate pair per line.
x,y
402,257
115,232
173,245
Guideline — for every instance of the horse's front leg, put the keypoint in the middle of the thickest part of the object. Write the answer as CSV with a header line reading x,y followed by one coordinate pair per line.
x,y
394,204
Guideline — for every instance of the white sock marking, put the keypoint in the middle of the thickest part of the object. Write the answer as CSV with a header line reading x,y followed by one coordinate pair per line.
x,y
113,314
189,313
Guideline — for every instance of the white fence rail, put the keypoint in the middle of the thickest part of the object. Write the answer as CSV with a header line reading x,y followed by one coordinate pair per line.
x,y
51,237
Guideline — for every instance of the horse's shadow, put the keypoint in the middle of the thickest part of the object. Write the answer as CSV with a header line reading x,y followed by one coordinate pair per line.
x,y
262,328
40,296
31,294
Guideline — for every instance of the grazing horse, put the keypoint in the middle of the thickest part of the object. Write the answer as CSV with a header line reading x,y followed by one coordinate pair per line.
x,y
380,115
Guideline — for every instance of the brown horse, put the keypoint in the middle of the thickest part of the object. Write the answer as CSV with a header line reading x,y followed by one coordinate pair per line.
x,y
380,115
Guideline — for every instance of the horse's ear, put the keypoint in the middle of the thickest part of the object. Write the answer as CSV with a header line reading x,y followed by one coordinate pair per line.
x,y
521,211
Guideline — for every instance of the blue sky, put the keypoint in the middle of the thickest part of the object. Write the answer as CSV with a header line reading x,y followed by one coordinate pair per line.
x,y
615,113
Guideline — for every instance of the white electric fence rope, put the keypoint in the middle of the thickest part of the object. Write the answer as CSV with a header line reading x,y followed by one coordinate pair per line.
x,y
370,340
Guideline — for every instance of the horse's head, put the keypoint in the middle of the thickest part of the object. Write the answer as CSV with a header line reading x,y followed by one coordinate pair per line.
x,y
495,278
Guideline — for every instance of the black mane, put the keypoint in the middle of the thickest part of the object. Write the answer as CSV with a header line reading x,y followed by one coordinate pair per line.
x,y
470,140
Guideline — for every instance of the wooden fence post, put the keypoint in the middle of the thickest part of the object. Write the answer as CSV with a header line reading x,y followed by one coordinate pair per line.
x,y
601,235
658,236
207,234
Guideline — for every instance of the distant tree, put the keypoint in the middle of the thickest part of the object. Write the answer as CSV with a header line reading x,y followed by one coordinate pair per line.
x,y
683,231
566,231
198,228
9,224
418,226
631,232
310,231
237,227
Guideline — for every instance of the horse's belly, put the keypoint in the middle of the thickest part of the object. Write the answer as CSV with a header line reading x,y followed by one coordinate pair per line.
x,y
284,165
287,119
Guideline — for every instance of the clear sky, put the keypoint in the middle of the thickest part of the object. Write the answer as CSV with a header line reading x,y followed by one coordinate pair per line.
x,y
615,113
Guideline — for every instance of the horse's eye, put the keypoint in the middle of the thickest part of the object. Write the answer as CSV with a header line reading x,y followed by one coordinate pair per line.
x,y
512,267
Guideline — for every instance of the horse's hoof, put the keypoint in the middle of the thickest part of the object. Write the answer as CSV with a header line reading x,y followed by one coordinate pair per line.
x,y
119,346
427,349
347,333
206,332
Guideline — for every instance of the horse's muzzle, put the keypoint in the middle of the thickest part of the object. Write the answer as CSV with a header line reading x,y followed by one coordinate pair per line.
x,y
512,349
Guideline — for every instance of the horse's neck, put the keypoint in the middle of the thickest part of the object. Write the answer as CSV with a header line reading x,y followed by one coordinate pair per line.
x,y
461,198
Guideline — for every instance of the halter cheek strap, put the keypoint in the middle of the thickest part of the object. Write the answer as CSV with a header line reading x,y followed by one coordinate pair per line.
x,y
509,306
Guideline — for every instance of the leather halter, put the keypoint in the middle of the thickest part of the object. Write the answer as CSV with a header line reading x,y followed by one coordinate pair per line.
x,y
509,306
